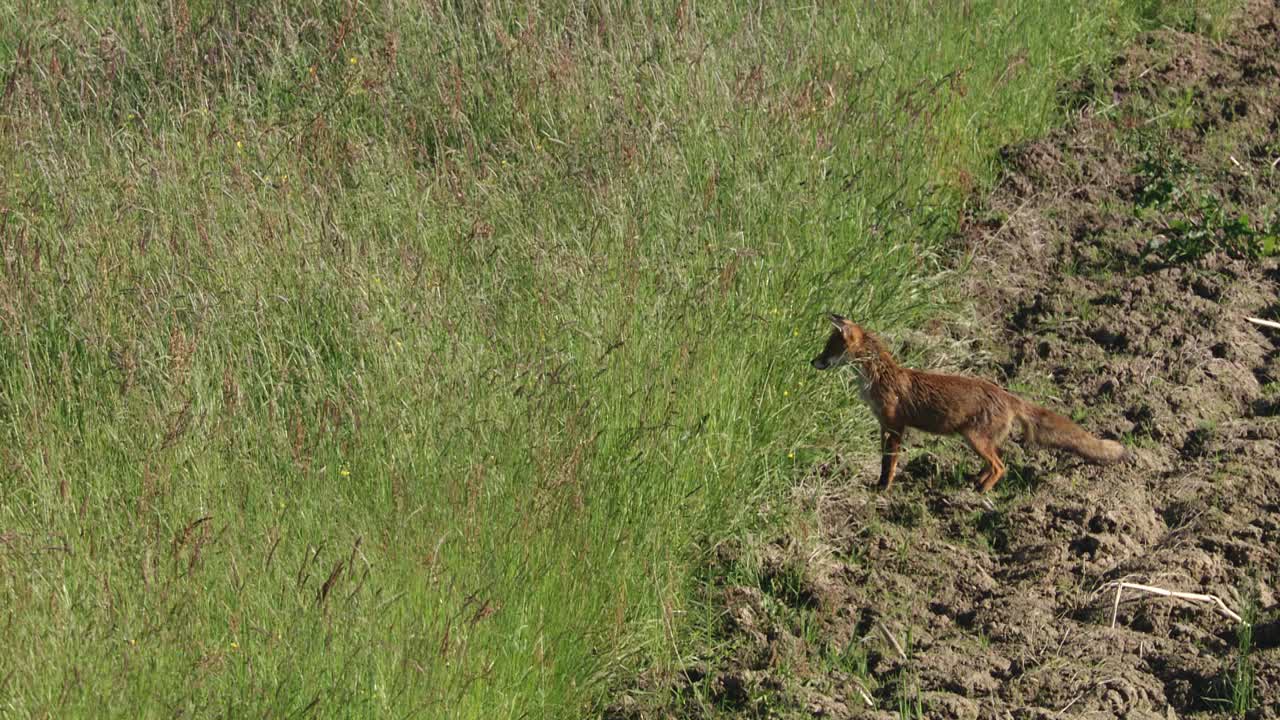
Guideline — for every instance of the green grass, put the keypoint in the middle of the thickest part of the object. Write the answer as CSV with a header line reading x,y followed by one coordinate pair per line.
x,y
384,359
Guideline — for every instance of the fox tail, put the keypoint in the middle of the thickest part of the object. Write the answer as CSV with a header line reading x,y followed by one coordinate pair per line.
x,y
1046,427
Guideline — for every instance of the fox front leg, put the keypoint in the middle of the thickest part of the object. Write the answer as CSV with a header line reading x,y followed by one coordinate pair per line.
x,y
890,444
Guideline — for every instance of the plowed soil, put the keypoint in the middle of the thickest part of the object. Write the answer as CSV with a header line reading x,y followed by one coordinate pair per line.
x,y
1113,268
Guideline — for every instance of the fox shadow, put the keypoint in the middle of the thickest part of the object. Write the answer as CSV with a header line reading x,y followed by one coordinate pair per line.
x,y
946,475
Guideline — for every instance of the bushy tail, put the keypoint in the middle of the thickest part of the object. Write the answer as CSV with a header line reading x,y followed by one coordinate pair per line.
x,y
1048,428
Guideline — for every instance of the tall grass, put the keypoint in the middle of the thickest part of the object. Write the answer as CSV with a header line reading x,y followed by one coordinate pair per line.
x,y
386,358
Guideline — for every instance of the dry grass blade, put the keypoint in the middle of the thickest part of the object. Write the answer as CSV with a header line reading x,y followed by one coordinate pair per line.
x,y
862,692
1264,323
1214,600
897,647
1078,698
323,594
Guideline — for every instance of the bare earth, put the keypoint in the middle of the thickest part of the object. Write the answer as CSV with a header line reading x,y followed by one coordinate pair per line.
x,y
939,601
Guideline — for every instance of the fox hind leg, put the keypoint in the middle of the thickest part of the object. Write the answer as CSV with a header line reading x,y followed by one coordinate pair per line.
x,y
890,445
986,448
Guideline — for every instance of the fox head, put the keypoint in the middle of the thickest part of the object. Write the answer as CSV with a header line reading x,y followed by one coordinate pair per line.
x,y
845,344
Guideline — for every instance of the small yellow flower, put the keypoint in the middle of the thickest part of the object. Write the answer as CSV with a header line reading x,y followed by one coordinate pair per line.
x,y
353,59
795,333
785,393
235,645
344,472
791,455
239,145
133,641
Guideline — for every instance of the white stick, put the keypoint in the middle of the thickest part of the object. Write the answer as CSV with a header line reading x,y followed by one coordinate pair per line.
x,y
1264,323
1216,601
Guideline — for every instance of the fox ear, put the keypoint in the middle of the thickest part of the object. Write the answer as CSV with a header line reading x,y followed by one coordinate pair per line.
x,y
837,321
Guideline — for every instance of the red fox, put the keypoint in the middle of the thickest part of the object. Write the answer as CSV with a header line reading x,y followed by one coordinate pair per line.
x,y
980,412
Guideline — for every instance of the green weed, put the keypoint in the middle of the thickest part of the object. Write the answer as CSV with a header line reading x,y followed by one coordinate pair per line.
x,y
1208,227
1194,222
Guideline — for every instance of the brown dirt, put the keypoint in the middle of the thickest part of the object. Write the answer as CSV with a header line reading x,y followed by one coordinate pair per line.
x,y
999,603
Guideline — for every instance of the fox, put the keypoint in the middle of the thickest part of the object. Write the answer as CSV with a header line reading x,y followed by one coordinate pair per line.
x,y
979,411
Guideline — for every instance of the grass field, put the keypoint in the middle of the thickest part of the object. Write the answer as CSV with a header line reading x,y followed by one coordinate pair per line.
x,y
385,359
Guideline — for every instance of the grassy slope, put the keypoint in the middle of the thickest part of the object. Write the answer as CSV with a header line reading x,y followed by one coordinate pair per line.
x,y
371,358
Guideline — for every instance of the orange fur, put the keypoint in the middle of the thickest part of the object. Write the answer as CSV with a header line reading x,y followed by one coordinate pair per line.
x,y
979,411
